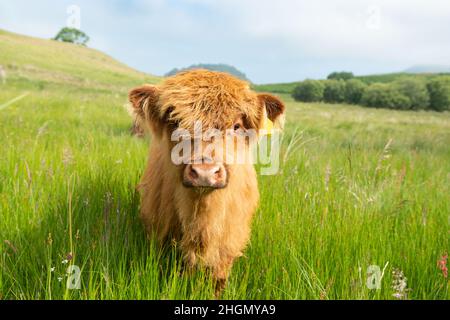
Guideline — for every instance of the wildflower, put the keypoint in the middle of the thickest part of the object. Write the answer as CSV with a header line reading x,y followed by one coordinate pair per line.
x,y
60,279
65,261
69,256
442,265
399,285
52,269
398,295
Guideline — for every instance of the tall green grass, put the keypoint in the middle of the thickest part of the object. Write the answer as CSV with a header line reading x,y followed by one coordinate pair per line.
x,y
357,187
345,199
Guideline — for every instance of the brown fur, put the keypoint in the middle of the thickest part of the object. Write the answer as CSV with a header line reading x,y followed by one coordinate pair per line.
x,y
137,130
212,227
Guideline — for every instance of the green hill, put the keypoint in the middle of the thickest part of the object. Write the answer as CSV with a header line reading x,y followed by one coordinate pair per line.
x,y
48,62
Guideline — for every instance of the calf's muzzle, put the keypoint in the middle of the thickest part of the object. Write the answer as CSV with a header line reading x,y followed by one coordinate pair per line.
x,y
205,175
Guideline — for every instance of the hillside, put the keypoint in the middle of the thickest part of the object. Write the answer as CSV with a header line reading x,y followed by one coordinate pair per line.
x,y
48,62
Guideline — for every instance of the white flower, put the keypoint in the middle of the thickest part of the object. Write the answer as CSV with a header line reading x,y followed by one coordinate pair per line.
x,y
52,269
60,279
400,285
65,261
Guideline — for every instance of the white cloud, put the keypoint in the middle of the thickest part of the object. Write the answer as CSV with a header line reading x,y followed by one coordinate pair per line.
x,y
380,30
271,41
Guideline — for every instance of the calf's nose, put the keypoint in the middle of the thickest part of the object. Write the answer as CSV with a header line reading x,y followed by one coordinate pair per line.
x,y
209,175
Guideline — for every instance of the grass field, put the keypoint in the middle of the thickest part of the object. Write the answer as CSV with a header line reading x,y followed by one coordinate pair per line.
x,y
358,187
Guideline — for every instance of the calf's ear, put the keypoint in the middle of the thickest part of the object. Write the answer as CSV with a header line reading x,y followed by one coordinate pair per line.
x,y
144,106
274,108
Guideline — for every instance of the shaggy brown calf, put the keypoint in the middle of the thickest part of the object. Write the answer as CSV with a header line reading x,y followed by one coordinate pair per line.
x,y
204,204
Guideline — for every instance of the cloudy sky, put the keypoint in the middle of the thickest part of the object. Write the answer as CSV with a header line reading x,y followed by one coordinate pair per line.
x,y
270,41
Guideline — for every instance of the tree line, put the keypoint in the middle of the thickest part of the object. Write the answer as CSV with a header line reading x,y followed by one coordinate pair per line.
x,y
408,93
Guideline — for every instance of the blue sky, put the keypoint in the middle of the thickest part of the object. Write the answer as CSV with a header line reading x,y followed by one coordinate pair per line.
x,y
270,41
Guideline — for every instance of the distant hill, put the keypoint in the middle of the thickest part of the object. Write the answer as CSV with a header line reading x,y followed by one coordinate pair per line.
x,y
52,62
428,69
213,67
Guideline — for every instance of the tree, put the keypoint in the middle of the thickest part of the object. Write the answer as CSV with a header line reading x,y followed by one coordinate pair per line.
x,y
308,91
334,91
354,90
72,35
382,95
415,90
343,75
439,91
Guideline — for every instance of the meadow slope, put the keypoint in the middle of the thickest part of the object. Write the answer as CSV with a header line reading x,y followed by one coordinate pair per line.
x,y
357,187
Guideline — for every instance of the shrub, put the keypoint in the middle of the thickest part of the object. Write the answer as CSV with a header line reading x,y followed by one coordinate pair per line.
x,y
72,35
439,91
381,95
334,91
308,91
415,90
340,75
354,90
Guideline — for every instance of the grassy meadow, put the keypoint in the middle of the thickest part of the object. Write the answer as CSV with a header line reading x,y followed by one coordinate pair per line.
x,y
357,187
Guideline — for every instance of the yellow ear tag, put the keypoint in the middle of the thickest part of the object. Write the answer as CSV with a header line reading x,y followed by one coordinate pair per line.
x,y
267,124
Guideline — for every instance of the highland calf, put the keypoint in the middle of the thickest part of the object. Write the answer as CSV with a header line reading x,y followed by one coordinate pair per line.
x,y
206,204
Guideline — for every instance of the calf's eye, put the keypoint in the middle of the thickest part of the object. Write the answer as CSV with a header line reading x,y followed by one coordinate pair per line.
x,y
237,126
